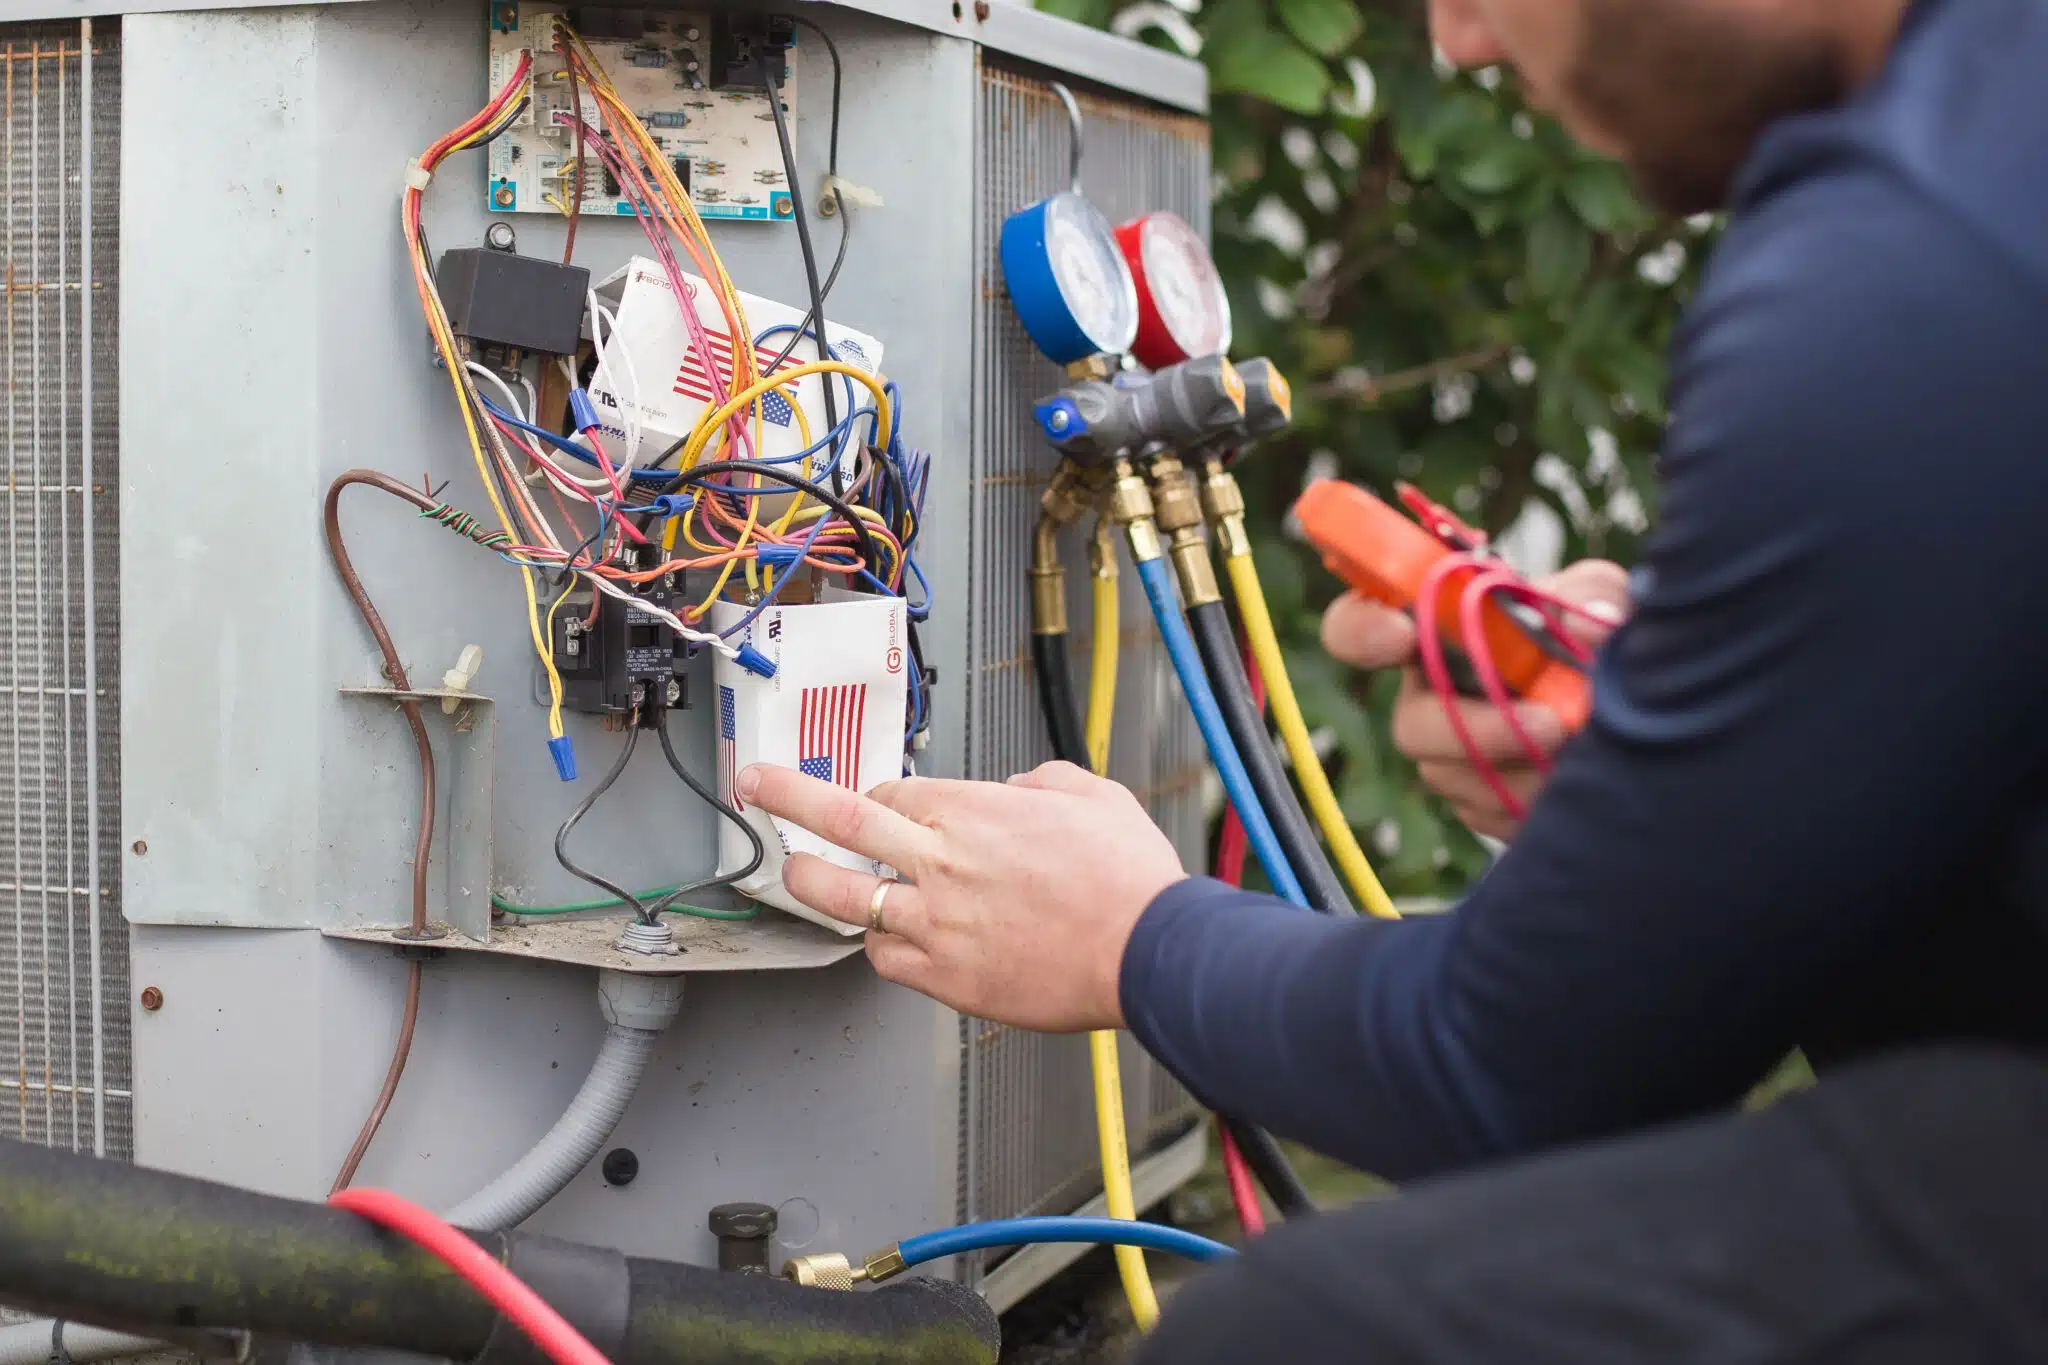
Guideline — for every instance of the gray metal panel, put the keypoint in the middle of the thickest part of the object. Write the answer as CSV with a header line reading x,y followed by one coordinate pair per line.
x,y
64,1041
1019,1162
1014,29
269,799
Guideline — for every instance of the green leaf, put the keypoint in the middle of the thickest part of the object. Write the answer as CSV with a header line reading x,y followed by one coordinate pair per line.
x,y
1265,64
1560,252
1325,26
1599,193
1501,167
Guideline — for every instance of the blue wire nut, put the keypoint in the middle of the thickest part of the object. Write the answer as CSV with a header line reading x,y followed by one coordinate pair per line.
x,y
755,662
779,556
563,751
582,409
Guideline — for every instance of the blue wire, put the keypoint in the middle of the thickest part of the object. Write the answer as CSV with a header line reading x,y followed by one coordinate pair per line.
x,y
769,599
1008,1232
1187,662
568,447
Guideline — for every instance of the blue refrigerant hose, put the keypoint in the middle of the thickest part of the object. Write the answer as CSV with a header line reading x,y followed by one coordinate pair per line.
x,y
1194,682
1007,1232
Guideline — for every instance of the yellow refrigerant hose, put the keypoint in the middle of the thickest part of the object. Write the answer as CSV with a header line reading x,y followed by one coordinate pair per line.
x,y
1308,767
1102,1051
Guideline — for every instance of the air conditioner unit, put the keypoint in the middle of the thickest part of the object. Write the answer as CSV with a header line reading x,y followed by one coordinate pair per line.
x,y
206,801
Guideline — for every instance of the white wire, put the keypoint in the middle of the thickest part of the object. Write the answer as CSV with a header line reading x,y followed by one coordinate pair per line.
x,y
674,621
527,443
629,403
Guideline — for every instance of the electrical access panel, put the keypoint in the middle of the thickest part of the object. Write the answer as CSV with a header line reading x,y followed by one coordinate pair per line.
x,y
693,78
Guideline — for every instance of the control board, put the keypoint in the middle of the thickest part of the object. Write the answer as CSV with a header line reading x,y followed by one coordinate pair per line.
x,y
693,77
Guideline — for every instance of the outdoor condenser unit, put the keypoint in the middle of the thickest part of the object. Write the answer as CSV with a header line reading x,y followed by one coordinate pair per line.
x,y
206,804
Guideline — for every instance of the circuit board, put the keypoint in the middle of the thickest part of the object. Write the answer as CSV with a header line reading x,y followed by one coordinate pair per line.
x,y
691,81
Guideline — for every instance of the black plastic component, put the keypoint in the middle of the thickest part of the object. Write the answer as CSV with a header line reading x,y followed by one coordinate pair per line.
x,y
743,44
621,1166
627,658
604,24
500,298
743,1232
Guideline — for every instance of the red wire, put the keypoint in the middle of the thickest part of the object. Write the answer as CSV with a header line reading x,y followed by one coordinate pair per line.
x,y
1489,576
1243,1193
526,1310
1230,854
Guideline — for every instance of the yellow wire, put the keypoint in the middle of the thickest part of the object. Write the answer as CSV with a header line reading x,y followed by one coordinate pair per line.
x,y
709,424
1102,1048
1308,768
444,342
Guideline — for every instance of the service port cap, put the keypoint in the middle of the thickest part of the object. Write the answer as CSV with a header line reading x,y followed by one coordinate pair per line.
x,y
1068,280
1183,311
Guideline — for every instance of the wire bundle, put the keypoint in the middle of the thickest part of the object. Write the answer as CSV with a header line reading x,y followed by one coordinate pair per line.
x,y
1487,577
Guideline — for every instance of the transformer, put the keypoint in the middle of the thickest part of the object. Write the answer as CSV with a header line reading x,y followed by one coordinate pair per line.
x,y
206,805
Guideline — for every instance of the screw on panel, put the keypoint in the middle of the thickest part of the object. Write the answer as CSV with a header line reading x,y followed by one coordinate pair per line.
x,y
152,998
981,10
140,846
743,1232
500,237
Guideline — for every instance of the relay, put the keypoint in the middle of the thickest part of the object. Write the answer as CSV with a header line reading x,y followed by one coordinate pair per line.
x,y
623,658
523,303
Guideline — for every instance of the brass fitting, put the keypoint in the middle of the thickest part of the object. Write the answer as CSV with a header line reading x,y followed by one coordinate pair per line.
x,y
1092,367
832,1269
1130,506
1223,504
1174,501
1102,550
1070,492
1048,579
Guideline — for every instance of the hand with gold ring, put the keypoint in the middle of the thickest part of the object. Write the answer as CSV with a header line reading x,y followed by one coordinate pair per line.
x,y
1016,898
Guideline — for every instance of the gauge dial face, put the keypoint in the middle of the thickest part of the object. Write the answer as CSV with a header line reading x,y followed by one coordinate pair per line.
x,y
1093,279
1185,288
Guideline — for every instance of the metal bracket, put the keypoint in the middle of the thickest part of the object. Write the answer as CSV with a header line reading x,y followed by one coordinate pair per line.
x,y
465,757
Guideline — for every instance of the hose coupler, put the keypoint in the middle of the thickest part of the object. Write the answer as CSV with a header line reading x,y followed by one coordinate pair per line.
x,y
1223,505
1102,550
833,1270
1130,506
1048,579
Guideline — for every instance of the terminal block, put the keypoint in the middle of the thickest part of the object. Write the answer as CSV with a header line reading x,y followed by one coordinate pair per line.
x,y
624,658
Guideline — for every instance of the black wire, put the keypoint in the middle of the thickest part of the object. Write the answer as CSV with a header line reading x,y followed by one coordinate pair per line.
x,y
1217,643
710,798
702,478
1270,1166
803,239
832,158
562,835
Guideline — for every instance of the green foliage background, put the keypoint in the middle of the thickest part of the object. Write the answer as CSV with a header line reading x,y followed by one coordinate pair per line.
x,y
1464,299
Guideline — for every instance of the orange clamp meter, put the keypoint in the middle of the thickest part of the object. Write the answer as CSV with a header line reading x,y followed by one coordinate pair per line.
x,y
1385,556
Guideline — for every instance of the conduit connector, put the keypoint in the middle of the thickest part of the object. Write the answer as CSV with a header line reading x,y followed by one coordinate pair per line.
x,y
637,1000
650,940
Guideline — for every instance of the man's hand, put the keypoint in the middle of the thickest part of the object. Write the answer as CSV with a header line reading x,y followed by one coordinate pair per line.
x,y
1017,898
1367,635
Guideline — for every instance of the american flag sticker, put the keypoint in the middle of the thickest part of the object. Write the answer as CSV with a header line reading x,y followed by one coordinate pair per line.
x,y
692,382
775,408
728,749
828,733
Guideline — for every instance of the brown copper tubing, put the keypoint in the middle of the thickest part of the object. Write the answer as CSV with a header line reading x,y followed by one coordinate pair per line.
x,y
395,669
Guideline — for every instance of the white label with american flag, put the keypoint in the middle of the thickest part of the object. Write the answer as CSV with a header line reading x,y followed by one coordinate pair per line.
x,y
675,387
834,709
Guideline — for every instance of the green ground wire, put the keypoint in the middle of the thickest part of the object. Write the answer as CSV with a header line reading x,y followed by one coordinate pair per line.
x,y
699,911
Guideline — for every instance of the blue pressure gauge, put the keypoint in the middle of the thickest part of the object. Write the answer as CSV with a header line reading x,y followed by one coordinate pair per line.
x,y
1068,280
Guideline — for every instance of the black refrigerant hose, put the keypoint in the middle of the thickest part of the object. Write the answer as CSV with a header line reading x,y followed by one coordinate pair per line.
x,y
1217,642
1056,697
1262,1154
116,1246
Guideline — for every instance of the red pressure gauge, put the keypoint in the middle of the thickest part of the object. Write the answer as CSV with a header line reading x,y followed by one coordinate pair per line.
x,y
1183,312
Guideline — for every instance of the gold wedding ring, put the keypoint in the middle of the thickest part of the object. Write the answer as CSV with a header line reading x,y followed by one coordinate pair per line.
x,y
875,902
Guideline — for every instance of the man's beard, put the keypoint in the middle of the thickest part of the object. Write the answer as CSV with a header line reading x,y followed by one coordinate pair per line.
x,y
1687,91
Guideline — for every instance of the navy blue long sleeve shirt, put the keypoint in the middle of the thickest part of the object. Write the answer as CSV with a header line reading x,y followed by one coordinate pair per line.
x,y
1811,805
